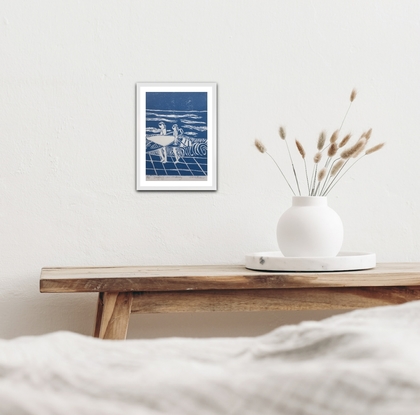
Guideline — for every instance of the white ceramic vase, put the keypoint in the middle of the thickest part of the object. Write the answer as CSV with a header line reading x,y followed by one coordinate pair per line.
x,y
310,228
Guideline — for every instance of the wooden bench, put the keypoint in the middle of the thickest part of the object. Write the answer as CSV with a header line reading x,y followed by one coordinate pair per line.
x,y
170,289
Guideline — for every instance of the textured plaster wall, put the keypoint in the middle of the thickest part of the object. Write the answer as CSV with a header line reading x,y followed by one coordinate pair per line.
x,y
67,129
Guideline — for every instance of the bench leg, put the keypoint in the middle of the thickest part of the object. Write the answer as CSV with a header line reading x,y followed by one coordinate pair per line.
x,y
99,311
113,315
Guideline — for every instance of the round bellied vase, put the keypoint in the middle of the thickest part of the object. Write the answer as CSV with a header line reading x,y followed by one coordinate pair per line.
x,y
310,228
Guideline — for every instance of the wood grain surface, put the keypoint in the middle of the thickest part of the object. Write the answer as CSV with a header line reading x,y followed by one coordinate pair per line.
x,y
99,312
114,315
272,299
217,277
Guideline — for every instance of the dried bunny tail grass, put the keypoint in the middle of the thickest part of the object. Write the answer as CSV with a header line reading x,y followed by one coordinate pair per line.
x,y
260,146
344,141
354,149
368,133
352,98
300,148
334,137
362,147
282,133
332,150
322,173
317,157
373,149
302,153
321,141
362,143
337,166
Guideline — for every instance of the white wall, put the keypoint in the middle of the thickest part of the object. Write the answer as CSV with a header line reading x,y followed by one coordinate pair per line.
x,y
67,129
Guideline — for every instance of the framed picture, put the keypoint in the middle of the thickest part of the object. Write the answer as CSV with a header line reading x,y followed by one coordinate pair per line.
x,y
176,141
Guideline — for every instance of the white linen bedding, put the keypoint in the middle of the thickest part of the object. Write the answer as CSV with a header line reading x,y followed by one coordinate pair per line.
x,y
362,362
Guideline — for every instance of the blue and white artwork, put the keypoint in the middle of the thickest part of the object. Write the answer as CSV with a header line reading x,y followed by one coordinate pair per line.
x,y
176,136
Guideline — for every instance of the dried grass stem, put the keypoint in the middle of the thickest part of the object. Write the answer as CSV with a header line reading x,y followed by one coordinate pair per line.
x,y
324,178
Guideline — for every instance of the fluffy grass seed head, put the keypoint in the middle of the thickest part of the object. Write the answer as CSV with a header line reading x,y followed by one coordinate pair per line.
x,y
360,149
332,150
353,95
344,141
282,133
334,137
337,166
300,149
350,152
260,146
321,141
373,149
317,157
322,173
368,133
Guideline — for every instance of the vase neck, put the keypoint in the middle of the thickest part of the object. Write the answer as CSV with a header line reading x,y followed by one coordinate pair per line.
x,y
309,201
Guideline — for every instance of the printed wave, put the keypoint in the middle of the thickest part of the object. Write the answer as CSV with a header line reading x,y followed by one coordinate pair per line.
x,y
156,110
159,119
193,122
170,115
195,127
196,149
153,130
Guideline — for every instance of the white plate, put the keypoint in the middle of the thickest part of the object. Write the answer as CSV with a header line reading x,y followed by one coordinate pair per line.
x,y
344,261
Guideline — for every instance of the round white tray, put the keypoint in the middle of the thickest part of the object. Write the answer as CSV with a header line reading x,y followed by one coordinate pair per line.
x,y
344,261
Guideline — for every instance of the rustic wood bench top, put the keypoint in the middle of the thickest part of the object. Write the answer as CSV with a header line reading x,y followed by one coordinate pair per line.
x,y
160,289
220,277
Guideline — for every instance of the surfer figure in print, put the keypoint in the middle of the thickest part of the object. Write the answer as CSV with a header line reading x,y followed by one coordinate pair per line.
x,y
175,132
186,141
162,127
175,144
158,143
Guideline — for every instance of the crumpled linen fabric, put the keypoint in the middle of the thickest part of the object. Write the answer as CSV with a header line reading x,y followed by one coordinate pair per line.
x,y
362,362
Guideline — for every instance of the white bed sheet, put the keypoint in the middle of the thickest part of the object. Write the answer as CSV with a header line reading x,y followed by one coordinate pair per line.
x,y
363,362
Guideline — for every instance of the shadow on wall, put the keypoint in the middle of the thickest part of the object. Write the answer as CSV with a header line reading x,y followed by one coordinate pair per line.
x,y
47,313
218,324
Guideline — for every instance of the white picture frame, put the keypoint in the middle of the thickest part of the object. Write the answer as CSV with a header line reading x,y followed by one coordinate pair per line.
x,y
176,136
